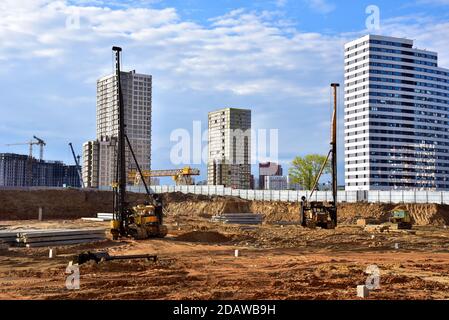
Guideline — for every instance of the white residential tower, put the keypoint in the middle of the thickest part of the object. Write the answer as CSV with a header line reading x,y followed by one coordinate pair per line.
x,y
396,116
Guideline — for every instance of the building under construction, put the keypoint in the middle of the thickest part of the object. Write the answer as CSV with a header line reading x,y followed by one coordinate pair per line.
x,y
15,167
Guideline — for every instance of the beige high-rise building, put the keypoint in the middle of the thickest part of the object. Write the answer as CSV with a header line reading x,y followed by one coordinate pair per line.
x,y
229,154
137,100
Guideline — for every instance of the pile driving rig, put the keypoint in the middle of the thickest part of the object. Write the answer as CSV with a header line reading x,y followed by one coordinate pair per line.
x,y
145,220
322,214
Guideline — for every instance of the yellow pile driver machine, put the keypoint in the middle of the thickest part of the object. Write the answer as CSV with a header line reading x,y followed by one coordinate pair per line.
x,y
145,220
324,214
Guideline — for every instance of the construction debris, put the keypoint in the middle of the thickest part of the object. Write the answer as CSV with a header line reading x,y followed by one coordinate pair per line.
x,y
376,228
94,219
363,222
362,291
101,217
104,256
43,238
239,218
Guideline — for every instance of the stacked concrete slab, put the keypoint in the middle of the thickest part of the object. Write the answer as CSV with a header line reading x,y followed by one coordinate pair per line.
x,y
8,237
239,218
105,216
58,237
101,217
50,237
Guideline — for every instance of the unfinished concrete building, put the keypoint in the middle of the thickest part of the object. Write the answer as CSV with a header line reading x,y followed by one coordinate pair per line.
x,y
137,100
229,161
14,167
99,162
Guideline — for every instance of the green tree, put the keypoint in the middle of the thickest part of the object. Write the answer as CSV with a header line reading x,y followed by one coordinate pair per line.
x,y
304,170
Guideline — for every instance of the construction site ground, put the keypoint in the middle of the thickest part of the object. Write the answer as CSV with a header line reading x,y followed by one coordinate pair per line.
x,y
197,260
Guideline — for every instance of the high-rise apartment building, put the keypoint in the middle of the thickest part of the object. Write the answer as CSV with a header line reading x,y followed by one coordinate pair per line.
x,y
229,161
396,116
137,100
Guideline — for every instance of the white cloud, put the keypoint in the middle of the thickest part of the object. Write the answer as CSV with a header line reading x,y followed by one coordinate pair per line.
x,y
281,3
321,6
242,58
48,53
427,33
433,2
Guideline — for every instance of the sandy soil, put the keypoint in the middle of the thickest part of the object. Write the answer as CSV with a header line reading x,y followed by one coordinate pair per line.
x,y
72,204
196,261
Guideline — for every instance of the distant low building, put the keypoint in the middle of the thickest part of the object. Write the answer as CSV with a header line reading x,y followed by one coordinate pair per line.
x,y
268,169
202,183
294,186
276,183
14,169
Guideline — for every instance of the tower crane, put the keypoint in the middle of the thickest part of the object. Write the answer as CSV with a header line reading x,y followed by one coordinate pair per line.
x,y
182,177
78,166
41,143
31,143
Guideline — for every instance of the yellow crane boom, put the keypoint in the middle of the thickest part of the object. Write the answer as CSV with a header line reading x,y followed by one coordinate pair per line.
x,y
181,176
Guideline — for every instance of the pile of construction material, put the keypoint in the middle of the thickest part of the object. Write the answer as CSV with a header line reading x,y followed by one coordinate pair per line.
x,y
239,218
105,216
59,237
50,237
8,237
101,217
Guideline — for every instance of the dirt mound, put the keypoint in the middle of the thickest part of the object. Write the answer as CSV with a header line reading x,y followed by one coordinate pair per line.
x,y
176,197
276,211
429,214
206,207
422,214
72,204
203,236
350,212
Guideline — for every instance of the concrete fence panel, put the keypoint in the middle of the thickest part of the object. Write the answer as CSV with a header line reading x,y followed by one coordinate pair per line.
x,y
393,196
420,197
435,197
445,196
284,196
293,196
259,195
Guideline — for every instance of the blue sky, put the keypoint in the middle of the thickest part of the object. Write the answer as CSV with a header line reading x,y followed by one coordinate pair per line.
x,y
276,57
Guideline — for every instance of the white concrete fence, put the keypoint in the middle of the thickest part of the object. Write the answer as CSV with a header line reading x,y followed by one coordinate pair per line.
x,y
394,196
438,197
